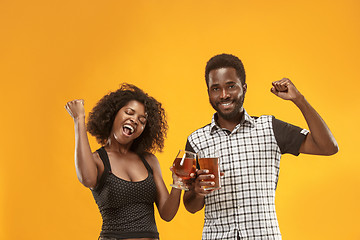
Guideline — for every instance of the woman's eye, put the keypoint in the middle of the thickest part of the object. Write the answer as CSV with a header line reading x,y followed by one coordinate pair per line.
x,y
129,112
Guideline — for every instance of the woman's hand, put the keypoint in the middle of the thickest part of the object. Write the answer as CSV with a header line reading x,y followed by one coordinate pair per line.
x,y
76,108
174,176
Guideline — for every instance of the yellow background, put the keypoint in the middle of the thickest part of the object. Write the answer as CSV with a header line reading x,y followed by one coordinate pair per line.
x,y
54,51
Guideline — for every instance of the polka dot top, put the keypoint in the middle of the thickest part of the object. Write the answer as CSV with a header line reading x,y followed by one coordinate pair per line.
x,y
127,208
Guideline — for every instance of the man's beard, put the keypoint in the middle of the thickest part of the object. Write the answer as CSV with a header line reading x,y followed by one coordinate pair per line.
x,y
233,114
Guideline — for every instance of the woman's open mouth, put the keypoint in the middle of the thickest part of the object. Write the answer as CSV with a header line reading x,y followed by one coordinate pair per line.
x,y
128,130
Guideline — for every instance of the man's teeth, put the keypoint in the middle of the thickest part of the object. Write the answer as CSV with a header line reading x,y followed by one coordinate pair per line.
x,y
226,104
130,127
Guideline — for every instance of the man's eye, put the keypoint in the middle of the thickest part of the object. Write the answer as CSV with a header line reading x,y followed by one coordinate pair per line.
x,y
231,86
215,89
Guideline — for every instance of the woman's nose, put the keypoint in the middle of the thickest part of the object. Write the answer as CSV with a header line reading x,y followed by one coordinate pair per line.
x,y
134,120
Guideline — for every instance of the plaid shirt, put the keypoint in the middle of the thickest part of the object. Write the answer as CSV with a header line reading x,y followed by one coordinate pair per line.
x,y
250,158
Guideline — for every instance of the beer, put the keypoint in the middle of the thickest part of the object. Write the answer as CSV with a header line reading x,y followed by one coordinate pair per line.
x,y
183,167
211,164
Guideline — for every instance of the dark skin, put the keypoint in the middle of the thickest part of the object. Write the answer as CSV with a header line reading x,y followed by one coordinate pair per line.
x,y
227,97
125,164
226,92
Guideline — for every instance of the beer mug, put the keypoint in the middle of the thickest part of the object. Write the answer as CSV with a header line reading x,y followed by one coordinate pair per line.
x,y
209,159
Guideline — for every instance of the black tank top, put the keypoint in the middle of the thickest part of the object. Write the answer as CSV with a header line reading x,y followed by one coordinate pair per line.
x,y
127,208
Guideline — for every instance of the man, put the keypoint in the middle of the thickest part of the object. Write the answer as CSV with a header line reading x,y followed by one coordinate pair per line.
x,y
250,150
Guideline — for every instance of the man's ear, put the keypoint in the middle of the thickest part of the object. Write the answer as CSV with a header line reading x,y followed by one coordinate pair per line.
x,y
245,88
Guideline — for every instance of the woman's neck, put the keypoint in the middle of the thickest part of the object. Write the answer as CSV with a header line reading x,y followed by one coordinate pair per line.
x,y
114,146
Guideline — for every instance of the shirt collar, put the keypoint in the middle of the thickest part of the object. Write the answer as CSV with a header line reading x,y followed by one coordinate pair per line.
x,y
246,120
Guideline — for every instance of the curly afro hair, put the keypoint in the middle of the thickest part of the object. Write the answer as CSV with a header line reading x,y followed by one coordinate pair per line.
x,y
225,60
102,116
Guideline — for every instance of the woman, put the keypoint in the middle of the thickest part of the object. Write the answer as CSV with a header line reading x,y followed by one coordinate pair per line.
x,y
123,175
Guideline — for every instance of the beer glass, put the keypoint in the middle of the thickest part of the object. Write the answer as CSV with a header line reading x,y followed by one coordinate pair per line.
x,y
184,164
209,160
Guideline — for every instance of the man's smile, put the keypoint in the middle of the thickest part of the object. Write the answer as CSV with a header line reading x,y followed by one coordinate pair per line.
x,y
226,104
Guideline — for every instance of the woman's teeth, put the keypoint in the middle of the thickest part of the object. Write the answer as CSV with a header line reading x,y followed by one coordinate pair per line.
x,y
130,128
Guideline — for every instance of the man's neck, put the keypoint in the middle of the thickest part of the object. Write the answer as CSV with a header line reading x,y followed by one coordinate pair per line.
x,y
229,124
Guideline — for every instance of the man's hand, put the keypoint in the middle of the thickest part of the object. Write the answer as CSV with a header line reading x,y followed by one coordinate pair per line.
x,y
319,141
285,89
203,179
194,199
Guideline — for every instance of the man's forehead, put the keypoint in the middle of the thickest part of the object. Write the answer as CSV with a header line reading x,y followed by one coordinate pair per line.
x,y
222,70
223,75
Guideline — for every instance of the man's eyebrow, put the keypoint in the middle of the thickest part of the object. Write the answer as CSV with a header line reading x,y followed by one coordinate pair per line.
x,y
215,85
230,82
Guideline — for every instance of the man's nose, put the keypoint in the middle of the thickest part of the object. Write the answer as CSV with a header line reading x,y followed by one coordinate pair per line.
x,y
224,94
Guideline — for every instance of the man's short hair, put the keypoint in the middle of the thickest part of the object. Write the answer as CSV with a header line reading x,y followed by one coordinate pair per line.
x,y
222,61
